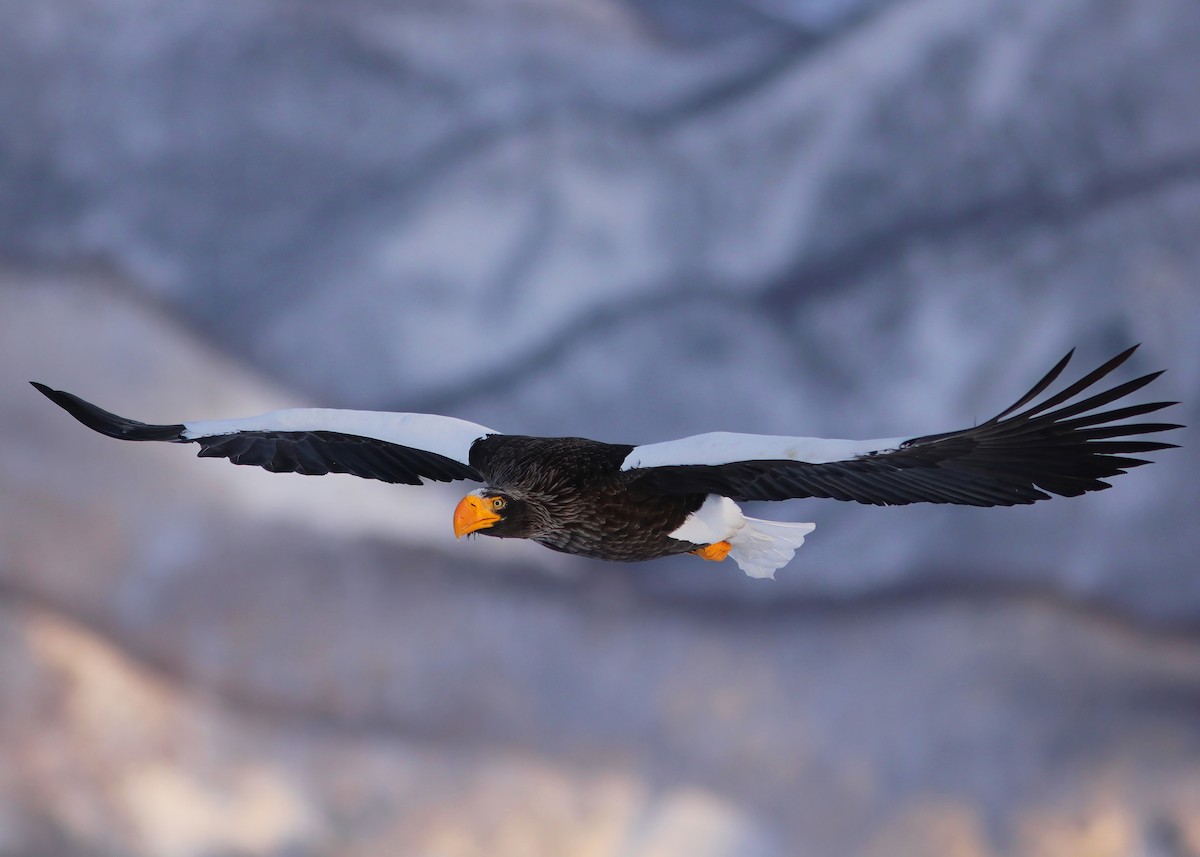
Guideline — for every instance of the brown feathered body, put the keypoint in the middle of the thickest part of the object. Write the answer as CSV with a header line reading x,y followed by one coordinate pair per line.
x,y
570,494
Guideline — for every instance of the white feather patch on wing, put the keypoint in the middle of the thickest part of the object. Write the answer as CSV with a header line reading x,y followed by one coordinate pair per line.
x,y
758,547
723,447
446,436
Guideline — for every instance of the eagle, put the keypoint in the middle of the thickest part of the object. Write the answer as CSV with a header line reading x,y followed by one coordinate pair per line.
x,y
625,502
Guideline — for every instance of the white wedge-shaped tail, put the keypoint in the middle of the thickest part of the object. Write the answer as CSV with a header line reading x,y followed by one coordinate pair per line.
x,y
758,547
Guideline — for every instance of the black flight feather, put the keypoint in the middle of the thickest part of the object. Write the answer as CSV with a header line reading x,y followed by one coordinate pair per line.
x,y
1017,457
313,453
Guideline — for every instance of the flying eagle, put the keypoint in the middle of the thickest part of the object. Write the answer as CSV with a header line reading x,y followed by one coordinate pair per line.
x,y
621,502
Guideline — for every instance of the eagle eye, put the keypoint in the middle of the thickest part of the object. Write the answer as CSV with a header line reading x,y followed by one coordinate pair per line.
x,y
498,503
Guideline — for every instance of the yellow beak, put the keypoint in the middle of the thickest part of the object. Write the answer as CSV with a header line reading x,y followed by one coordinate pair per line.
x,y
473,513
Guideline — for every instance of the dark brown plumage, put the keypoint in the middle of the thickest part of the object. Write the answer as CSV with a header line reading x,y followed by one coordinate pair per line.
x,y
570,494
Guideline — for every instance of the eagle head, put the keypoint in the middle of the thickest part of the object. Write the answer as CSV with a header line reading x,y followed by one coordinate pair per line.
x,y
491,513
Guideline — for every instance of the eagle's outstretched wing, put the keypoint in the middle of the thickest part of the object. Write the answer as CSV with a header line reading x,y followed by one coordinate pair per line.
x,y
390,447
1017,457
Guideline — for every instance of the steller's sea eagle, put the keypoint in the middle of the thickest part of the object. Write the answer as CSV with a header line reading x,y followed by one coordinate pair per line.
x,y
622,502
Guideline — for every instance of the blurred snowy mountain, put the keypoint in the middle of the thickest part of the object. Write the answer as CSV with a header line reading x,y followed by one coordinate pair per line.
x,y
587,230
626,220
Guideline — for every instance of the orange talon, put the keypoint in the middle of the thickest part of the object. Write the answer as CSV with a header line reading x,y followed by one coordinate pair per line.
x,y
715,552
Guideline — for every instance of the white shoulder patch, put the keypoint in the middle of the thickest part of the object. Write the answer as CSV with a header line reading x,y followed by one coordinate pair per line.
x,y
722,447
446,436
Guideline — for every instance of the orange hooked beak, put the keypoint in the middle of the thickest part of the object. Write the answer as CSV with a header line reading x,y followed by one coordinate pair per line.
x,y
473,513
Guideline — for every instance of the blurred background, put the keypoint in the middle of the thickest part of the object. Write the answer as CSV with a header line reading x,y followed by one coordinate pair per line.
x,y
631,220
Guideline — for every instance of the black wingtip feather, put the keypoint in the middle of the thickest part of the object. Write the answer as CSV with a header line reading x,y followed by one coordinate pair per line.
x,y
1073,441
107,423
1086,381
1041,385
